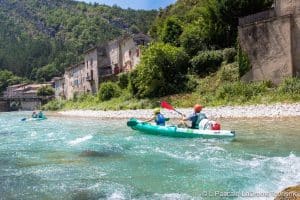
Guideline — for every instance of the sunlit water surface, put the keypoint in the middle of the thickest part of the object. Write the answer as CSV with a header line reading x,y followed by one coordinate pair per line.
x,y
75,158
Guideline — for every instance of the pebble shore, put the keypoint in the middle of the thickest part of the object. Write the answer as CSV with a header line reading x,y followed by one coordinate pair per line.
x,y
253,111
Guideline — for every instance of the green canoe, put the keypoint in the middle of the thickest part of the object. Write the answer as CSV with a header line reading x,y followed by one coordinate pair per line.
x,y
34,119
174,131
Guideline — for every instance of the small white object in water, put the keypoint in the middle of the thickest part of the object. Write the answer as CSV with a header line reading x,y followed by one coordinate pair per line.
x,y
79,140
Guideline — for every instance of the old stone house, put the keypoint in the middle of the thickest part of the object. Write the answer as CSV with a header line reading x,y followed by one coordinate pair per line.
x,y
24,96
271,40
59,85
23,91
101,63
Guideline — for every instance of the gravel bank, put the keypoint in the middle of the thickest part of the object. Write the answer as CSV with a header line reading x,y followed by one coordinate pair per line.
x,y
254,111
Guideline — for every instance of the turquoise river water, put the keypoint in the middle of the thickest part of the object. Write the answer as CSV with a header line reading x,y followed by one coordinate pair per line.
x,y
80,158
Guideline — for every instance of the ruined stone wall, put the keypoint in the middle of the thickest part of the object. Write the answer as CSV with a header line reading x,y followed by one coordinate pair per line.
x,y
287,7
4,106
284,7
269,47
31,105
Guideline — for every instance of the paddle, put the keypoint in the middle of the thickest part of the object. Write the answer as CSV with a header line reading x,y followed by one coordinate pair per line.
x,y
166,105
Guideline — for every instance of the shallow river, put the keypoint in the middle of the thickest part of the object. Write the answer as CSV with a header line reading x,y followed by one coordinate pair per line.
x,y
76,158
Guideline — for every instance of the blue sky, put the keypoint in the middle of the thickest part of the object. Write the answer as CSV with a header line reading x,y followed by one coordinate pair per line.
x,y
135,4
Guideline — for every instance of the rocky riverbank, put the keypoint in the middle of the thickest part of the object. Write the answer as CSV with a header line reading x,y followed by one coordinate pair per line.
x,y
290,193
253,111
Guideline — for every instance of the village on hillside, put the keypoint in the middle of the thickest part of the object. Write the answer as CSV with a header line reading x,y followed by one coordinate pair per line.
x,y
101,63
270,38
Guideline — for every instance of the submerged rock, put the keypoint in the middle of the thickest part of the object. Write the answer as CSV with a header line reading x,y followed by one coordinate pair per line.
x,y
290,193
6,132
89,153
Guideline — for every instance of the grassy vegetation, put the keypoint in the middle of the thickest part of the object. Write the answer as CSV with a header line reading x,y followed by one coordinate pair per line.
x,y
220,88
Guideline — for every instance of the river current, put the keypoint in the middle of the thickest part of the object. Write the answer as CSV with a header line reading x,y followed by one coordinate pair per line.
x,y
81,158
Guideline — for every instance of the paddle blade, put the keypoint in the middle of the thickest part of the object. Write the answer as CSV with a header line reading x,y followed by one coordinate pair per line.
x,y
165,105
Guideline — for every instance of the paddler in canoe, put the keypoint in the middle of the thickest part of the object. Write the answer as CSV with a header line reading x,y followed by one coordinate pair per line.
x,y
159,118
35,116
206,128
200,121
41,115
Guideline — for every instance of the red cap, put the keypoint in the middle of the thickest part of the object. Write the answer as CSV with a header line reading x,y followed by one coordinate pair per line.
x,y
197,108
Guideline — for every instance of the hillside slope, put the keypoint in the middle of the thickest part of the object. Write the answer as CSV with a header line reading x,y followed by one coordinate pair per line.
x,y
39,38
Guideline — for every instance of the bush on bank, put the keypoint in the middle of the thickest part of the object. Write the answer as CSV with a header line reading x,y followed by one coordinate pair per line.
x,y
161,71
108,90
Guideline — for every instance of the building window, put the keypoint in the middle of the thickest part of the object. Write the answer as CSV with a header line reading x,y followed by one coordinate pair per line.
x,y
137,52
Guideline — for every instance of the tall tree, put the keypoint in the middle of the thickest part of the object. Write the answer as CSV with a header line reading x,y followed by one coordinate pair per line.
x,y
228,11
161,71
171,31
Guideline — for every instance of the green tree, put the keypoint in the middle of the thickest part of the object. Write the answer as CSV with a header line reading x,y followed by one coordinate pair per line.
x,y
207,61
228,12
46,73
134,29
213,28
7,78
45,91
108,90
161,71
192,39
171,31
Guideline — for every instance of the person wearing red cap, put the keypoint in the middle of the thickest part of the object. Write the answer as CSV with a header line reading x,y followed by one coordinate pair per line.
x,y
196,117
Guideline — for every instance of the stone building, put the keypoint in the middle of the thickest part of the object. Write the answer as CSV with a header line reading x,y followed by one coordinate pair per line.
x,y
272,41
101,63
23,91
59,85
23,96
14,90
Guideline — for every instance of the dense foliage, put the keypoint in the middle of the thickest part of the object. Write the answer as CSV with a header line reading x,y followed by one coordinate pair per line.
x,y
123,80
38,39
8,78
205,24
161,71
45,91
290,86
108,90
229,91
171,31
207,61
